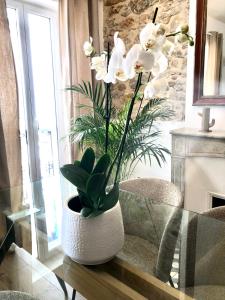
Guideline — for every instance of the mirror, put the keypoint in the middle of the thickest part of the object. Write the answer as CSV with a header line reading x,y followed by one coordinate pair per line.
x,y
209,83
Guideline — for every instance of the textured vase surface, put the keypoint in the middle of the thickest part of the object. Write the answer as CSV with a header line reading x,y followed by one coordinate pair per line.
x,y
14,295
92,241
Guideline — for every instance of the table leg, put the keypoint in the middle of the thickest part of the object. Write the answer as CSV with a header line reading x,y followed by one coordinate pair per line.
x,y
8,240
63,285
74,294
171,282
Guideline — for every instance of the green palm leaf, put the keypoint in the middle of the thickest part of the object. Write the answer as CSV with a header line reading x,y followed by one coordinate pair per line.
x,y
142,138
95,94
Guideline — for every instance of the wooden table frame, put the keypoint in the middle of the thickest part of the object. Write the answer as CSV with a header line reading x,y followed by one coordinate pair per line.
x,y
115,280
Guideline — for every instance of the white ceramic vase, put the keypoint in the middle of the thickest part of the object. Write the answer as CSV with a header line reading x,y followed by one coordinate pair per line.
x,y
92,241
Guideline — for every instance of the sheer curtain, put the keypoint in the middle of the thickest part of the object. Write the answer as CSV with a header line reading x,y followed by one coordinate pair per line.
x,y
213,61
10,150
78,20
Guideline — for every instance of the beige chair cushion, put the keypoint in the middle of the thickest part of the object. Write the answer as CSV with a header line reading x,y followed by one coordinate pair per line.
x,y
204,252
210,269
13,295
146,216
152,223
155,189
216,213
140,253
207,292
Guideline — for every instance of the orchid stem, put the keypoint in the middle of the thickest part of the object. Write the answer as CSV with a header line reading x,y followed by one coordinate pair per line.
x,y
155,15
107,108
173,34
149,77
121,148
139,108
107,117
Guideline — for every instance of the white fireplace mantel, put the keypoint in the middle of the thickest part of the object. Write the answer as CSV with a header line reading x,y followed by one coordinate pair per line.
x,y
191,143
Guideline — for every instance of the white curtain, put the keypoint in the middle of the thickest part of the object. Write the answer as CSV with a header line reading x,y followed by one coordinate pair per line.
x,y
213,62
10,148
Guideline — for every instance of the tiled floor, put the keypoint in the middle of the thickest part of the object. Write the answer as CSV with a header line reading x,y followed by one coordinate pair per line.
x,y
20,272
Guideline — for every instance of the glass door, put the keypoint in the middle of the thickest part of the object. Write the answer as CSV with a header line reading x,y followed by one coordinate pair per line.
x,y
35,47
44,98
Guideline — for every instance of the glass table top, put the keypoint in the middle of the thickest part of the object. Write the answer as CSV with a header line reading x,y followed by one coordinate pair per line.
x,y
180,247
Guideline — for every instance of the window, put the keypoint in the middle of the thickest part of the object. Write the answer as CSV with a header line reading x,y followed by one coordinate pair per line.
x,y
35,51
35,46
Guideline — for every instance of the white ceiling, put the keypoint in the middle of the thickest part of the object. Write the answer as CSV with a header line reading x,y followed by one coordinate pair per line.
x,y
216,9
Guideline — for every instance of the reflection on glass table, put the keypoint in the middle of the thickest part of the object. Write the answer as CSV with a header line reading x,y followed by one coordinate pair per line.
x,y
187,251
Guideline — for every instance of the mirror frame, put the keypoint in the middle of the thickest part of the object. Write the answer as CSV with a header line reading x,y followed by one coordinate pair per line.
x,y
201,22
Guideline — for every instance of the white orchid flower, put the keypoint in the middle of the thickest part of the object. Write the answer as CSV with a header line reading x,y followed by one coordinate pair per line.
x,y
138,60
154,88
116,70
98,63
100,74
119,44
152,37
161,64
116,67
88,47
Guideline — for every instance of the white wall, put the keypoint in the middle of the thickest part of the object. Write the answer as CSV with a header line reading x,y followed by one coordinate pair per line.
x,y
164,172
203,176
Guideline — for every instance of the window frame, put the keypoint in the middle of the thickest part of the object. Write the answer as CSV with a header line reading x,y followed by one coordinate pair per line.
x,y
23,8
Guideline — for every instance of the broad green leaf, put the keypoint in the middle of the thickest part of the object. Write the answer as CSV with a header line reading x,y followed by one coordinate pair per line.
x,y
85,201
88,160
86,211
95,186
110,199
76,176
102,164
95,213
77,163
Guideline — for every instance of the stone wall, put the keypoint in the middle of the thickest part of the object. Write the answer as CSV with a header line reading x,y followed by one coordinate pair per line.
x,y
129,17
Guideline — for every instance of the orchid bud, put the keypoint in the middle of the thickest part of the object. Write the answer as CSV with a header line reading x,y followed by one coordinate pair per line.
x,y
184,28
155,87
88,48
161,30
167,48
182,38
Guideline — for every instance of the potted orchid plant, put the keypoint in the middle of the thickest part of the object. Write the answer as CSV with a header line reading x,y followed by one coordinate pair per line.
x,y
93,223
